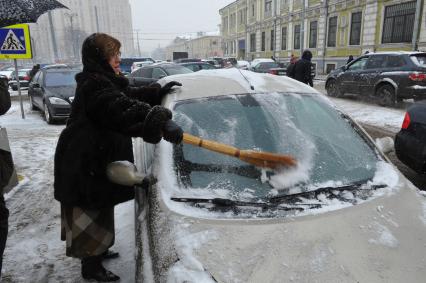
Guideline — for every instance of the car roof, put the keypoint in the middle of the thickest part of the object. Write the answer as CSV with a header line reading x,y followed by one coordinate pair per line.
x,y
232,81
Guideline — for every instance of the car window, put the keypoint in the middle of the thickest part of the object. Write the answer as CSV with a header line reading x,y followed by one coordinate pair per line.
x,y
158,73
36,77
206,66
144,73
394,61
60,79
193,67
323,141
267,65
41,78
176,70
358,64
419,59
376,62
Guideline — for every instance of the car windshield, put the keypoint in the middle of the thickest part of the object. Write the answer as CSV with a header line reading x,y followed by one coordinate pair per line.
x,y
268,65
419,59
176,70
60,78
325,143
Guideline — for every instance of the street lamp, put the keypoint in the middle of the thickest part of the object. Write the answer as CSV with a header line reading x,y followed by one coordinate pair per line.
x,y
71,18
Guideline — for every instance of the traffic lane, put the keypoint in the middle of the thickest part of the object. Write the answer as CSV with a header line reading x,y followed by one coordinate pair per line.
x,y
418,180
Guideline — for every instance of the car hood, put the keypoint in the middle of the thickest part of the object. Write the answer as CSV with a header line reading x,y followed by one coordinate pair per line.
x,y
60,91
382,240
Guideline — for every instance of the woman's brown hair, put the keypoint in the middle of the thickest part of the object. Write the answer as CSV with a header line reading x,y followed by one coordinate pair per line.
x,y
108,45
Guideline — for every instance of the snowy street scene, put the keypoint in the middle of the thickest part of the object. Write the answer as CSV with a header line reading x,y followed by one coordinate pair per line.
x,y
212,141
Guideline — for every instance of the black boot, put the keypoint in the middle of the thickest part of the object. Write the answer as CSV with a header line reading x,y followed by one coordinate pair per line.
x,y
92,269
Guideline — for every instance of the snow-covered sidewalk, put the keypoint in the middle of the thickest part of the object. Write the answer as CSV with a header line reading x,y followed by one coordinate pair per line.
x,y
34,252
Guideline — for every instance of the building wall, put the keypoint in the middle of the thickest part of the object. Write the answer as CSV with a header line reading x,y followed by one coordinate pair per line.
x,y
202,47
289,13
110,16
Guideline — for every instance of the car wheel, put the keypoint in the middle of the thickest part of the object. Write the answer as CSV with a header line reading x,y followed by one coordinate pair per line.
x,y
386,95
47,115
33,107
332,89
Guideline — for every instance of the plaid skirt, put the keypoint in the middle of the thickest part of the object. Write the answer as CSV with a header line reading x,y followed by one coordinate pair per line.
x,y
87,232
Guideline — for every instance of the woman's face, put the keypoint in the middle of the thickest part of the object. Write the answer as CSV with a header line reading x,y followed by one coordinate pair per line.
x,y
114,62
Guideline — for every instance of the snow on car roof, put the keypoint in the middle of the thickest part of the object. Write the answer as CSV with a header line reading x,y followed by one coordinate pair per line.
x,y
232,81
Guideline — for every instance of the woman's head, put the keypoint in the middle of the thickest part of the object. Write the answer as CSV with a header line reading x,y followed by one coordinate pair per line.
x,y
101,49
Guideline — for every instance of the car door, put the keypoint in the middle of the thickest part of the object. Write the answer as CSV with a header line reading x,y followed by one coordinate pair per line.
x,y
368,77
347,79
38,89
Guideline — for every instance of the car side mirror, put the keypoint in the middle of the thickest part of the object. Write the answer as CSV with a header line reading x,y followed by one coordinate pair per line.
x,y
124,173
385,144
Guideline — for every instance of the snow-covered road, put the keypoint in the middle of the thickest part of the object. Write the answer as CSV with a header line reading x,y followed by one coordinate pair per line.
x,y
34,252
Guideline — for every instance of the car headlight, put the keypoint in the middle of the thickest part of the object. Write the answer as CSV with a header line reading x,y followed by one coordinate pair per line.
x,y
58,101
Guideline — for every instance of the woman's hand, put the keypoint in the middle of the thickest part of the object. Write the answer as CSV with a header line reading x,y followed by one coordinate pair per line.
x,y
172,132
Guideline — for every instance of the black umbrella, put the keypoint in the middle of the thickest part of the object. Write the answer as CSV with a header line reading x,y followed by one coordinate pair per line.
x,y
25,11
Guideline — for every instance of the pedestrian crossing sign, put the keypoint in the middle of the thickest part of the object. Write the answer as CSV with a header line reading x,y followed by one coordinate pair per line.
x,y
15,42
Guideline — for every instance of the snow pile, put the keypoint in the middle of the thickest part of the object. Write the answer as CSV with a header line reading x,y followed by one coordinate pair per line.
x,y
383,236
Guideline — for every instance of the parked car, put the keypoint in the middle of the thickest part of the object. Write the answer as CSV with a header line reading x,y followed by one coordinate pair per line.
x,y
141,63
52,91
343,214
24,78
269,67
388,77
410,141
230,61
243,65
258,60
220,60
198,66
212,62
186,60
127,62
7,74
149,74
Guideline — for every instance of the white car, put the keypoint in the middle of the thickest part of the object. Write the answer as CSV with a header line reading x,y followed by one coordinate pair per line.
x,y
343,214
243,65
143,62
259,60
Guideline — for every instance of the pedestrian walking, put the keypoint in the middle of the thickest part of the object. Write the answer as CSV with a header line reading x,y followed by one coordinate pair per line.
x,y
106,113
34,71
290,67
6,171
350,59
303,68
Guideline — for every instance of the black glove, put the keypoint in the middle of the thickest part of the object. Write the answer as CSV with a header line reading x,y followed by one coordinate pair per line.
x,y
167,88
172,132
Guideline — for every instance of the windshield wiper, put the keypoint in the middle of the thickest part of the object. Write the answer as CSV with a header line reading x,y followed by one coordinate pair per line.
x,y
222,202
350,187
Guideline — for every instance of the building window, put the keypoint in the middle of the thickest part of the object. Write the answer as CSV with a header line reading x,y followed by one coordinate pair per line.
x,y
253,42
268,6
284,38
225,24
253,10
332,32
284,4
296,37
399,23
263,41
355,37
272,40
313,27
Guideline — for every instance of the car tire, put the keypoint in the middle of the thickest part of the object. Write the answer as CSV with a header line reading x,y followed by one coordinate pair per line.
x,y
333,89
33,107
386,95
47,115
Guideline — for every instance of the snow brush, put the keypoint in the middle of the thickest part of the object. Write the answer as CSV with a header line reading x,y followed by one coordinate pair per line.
x,y
257,158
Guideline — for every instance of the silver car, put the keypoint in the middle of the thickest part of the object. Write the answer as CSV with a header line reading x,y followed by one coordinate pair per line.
x,y
343,214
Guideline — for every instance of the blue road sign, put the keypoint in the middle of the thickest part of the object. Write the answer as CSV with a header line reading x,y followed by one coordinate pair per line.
x,y
15,42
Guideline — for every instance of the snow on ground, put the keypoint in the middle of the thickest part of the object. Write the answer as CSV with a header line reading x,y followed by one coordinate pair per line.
x,y
34,252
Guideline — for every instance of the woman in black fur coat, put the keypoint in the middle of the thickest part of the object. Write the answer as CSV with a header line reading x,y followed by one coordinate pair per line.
x,y
106,113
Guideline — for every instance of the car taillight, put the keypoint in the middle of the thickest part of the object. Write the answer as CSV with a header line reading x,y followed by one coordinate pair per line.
x,y
273,72
27,78
406,122
417,76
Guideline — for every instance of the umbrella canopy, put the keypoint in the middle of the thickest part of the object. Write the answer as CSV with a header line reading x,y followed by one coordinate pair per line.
x,y
25,11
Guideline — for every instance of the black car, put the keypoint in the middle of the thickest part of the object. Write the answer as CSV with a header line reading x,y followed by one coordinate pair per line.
x,y
52,91
410,142
198,66
24,79
269,67
388,77
149,74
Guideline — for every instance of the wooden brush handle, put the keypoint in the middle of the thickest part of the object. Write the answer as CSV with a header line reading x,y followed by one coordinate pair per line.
x,y
211,145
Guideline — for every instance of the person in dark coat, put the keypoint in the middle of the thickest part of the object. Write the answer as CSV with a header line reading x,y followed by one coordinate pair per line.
x,y
350,59
34,71
106,113
290,67
302,70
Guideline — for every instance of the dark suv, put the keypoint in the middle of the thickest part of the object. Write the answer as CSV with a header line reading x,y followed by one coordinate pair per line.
x,y
388,77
